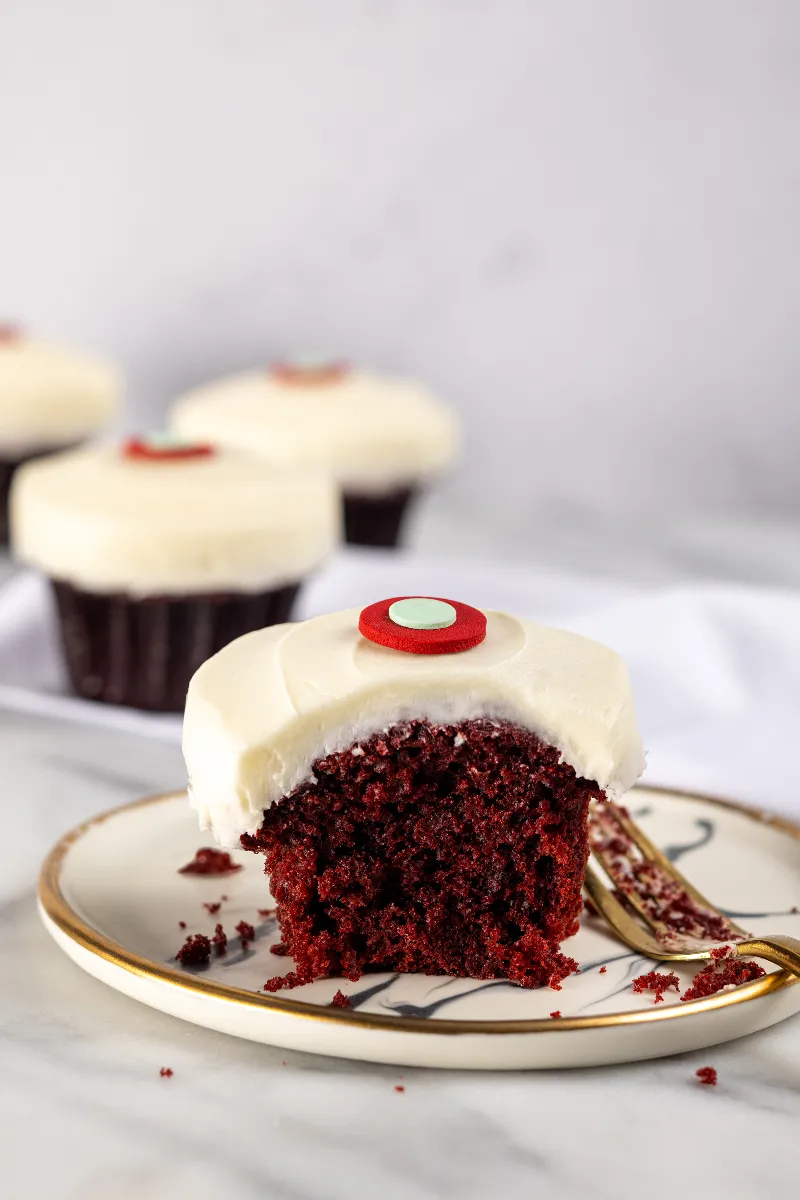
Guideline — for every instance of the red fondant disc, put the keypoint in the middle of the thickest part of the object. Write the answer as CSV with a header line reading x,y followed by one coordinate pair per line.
x,y
309,376
468,630
142,449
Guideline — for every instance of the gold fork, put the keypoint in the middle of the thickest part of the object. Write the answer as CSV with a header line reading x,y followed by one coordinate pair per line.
x,y
638,870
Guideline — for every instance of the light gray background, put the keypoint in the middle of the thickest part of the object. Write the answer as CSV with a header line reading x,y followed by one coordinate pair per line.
x,y
578,220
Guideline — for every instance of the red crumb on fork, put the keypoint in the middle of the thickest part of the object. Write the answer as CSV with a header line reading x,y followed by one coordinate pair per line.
x,y
340,1000
716,975
658,982
210,861
166,1072
707,1075
246,932
556,1015
195,951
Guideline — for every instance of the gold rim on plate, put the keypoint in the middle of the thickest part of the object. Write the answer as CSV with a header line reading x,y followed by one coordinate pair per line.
x,y
57,908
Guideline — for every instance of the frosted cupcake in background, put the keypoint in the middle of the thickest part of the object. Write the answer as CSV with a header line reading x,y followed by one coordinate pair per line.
x,y
383,440
161,552
51,397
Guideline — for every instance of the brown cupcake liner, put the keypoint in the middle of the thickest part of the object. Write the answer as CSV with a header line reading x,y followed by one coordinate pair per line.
x,y
142,652
376,520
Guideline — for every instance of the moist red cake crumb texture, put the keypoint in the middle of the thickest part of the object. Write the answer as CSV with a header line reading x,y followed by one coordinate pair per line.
x,y
166,1072
246,932
707,1075
210,861
716,975
658,982
443,849
661,896
220,940
195,951
340,1000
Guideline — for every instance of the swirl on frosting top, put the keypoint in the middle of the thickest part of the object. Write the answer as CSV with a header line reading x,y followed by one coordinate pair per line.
x,y
259,713
372,433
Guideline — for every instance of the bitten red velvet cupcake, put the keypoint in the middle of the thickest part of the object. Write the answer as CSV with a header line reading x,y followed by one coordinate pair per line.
x,y
417,776
384,440
51,397
160,552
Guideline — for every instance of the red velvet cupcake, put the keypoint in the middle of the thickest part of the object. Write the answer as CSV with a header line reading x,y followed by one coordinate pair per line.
x,y
417,776
383,440
161,552
51,397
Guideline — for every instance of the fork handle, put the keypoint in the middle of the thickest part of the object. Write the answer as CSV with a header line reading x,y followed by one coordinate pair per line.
x,y
776,948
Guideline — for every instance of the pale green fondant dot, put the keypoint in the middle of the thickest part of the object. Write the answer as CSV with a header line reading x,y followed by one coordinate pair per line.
x,y
162,439
418,612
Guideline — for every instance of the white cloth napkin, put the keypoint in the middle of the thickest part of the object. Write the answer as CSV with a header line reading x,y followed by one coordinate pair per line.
x,y
715,668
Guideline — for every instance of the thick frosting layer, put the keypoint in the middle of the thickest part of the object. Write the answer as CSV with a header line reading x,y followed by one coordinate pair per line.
x,y
51,395
259,713
106,522
372,433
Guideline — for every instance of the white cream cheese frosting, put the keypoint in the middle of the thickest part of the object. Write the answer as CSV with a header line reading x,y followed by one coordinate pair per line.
x,y
51,395
259,713
372,433
107,523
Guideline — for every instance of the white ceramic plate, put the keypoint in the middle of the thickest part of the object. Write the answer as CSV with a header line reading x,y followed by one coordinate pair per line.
x,y
112,898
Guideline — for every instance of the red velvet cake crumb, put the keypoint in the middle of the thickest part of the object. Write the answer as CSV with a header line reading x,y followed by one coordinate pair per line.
x,y
718,975
220,940
246,932
214,908
398,1087
166,1072
662,897
707,1075
556,1015
658,982
340,1000
181,924
603,970
266,912
441,849
210,861
195,951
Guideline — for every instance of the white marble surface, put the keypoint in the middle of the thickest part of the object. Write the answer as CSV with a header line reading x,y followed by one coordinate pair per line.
x,y
85,1114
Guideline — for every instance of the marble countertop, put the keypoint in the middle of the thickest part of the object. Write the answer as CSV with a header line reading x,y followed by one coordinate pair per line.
x,y
86,1115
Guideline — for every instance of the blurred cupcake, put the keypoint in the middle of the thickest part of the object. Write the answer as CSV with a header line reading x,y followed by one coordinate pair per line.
x,y
161,552
382,439
51,397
